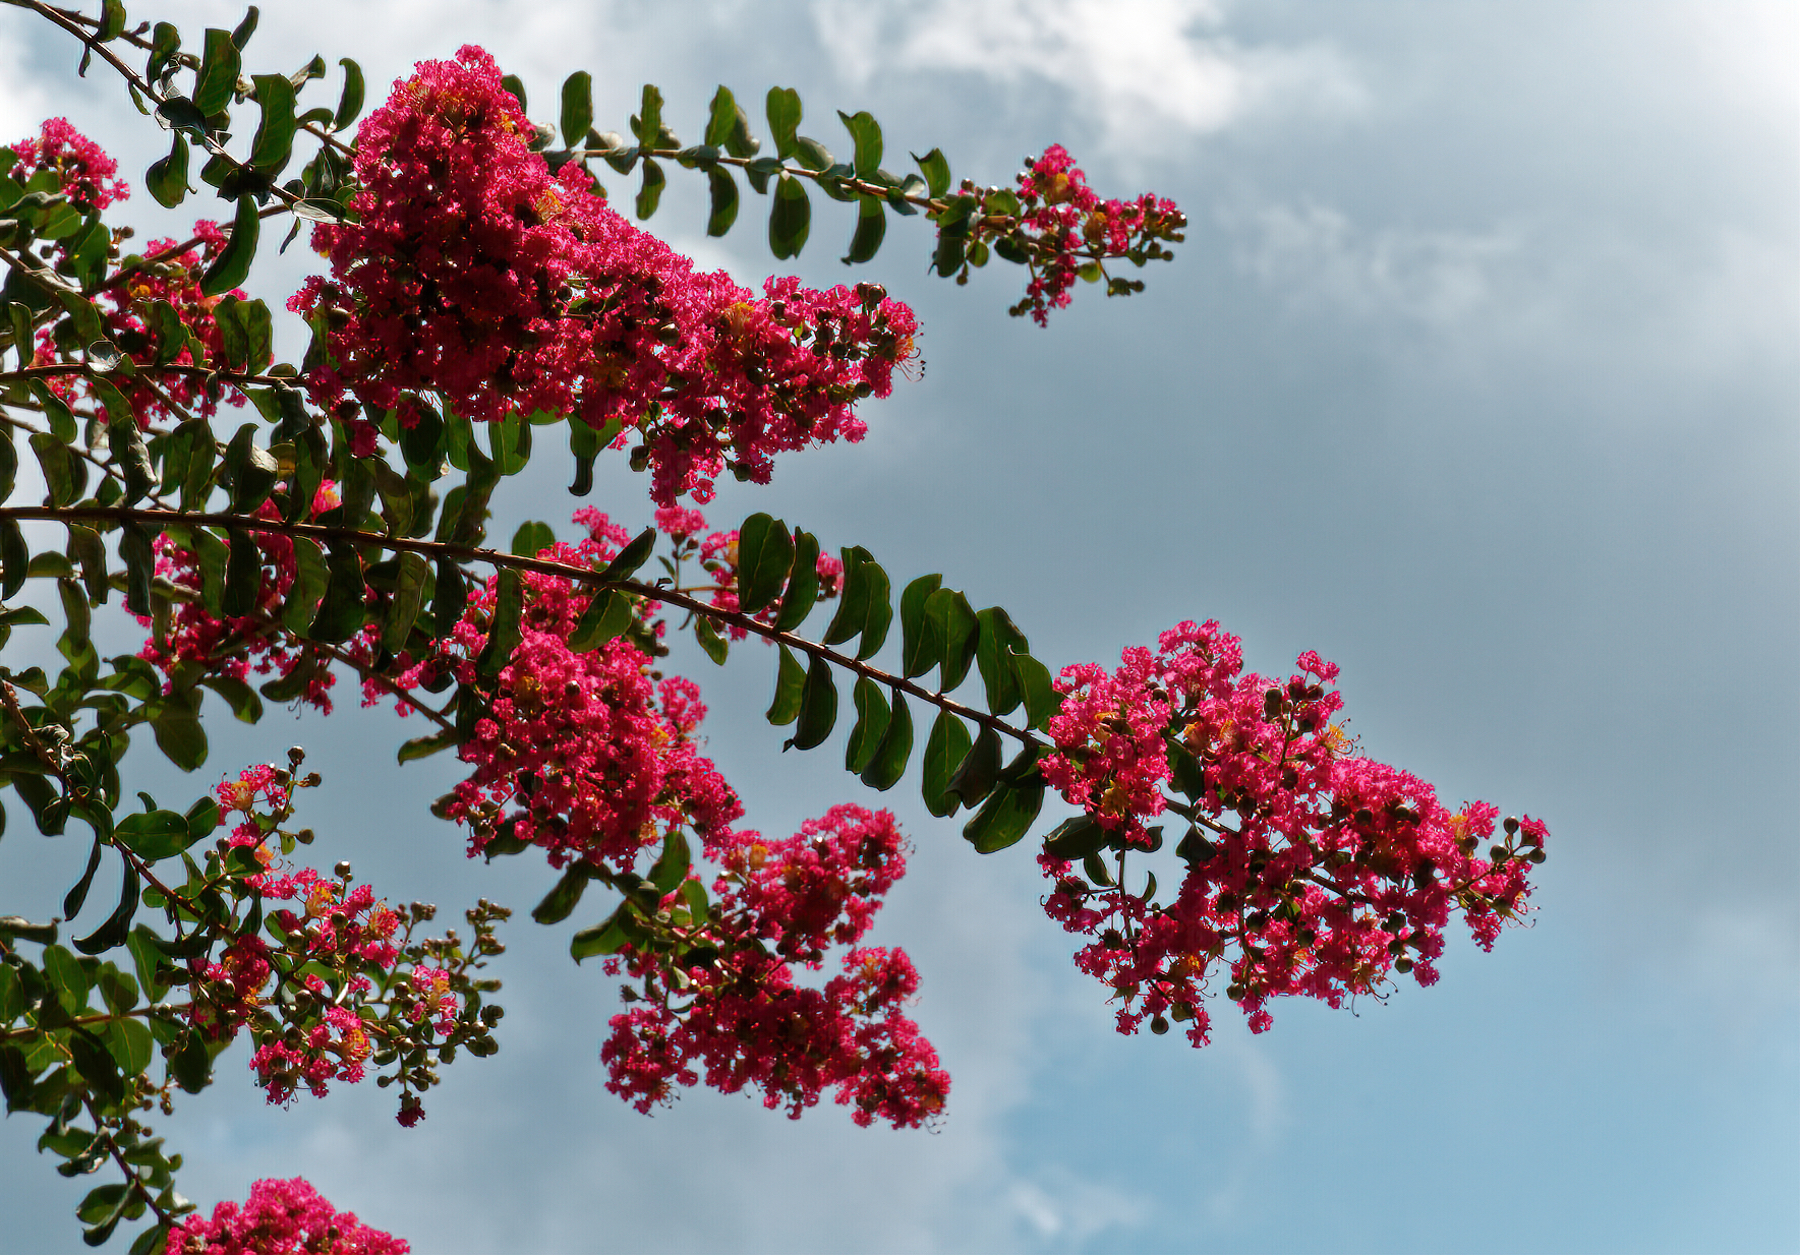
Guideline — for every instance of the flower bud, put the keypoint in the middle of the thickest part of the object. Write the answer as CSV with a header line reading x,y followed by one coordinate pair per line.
x,y
1158,1025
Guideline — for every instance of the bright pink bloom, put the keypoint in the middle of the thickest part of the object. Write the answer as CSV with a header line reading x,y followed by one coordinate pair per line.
x,y
281,1218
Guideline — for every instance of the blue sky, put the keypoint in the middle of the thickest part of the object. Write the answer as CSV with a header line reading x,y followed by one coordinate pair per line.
x,y
1479,373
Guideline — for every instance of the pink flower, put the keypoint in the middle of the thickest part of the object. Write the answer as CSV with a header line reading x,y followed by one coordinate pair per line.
x,y
280,1218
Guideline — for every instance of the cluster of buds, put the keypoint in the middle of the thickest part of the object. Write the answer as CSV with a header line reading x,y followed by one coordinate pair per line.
x,y
1305,868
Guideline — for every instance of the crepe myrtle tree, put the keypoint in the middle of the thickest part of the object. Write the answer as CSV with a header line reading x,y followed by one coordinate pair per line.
x,y
275,527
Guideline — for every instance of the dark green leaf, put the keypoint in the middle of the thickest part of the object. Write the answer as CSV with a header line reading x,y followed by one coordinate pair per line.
x,y
853,603
650,192
647,125
564,897
63,474
631,557
531,538
1004,818
351,102
112,20
790,218
505,633
974,777
783,107
512,83
721,117
1075,839
252,470
606,616
242,699
246,28
311,576
577,108
232,264
936,171
607,937
274,142
945,750
191,1064
450,599
871,226
116,927
871,722
803,585
866,132
425,746
813,155
178,113
167,178
12,995
406,601
343,610
818,706
888,763
77,895
724,200
243,575
995,654
179,737
790,681
880,612
220,66
765,556
154,835
15,558
671,867
68,978
921,643
1040,696
708,635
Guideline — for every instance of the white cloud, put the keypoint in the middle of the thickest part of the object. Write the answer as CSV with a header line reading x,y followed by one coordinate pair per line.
x,y
1146,67
1319,258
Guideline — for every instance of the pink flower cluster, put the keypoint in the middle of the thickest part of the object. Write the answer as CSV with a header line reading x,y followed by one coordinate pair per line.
x,y
474,273
280,1218
587,755
745,1020
86,174
1066,226
1317,870
236,646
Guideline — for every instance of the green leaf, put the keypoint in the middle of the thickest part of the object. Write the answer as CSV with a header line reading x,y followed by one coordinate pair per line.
x,y
202,817
708,635
404,605
946,748
274,142
607,616
1040,696
116,927
563,897
180,737
995,654
154,835
512,83
96,1065
12,995
531,538
243,575
818,707
425,746
220,66
936,171
871,722
813,155
191,1064
77,895
68,979
577,108
242,699
86,548
790,683
342,612
631,557
671,867
178,113
63,475
871,226
607,937
783,108
765,556
1075,839
647,126
451,598
650,192
724,201
311,576
145,955
1004,818
351,102
15,558
130,1044
721,118
853,603
137,546
803,585
880,613
232,264
167,177
790,218
921,643
866,132
505,633
888,763
974,777
246,28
